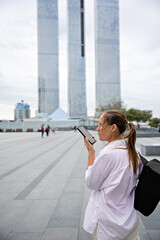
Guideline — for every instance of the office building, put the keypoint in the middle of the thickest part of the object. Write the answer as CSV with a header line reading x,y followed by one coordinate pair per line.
x,y
76,59
107,59
48,56
21,111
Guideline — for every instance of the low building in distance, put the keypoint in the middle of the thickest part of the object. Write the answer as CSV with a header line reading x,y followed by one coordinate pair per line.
x,y
21,111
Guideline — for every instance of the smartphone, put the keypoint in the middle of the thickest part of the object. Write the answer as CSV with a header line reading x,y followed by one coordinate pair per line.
x,y
85,133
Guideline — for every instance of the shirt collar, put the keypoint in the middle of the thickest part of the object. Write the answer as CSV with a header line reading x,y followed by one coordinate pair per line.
x,y
117,143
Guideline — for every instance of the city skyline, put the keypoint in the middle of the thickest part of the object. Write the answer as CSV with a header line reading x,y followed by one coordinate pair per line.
x,y
139,55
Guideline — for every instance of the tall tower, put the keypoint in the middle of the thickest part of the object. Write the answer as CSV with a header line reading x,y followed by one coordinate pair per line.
x,y
48,56
107,58
76,59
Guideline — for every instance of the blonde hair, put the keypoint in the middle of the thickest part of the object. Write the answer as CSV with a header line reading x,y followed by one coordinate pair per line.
x,y
118,118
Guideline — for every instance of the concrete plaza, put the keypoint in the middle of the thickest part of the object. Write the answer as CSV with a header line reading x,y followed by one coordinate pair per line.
x,y
42,190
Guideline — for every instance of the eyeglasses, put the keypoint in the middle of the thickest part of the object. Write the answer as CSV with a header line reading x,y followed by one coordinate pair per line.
x,y
100,126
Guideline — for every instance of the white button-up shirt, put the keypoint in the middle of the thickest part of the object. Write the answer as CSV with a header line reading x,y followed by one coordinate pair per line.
x,y
111,204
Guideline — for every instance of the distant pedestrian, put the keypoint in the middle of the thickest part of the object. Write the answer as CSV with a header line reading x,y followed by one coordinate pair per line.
x,y
53,129
42,130
75,128
47,130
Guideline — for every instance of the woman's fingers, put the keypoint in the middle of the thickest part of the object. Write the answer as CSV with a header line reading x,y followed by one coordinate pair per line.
x,y
88,145
85,140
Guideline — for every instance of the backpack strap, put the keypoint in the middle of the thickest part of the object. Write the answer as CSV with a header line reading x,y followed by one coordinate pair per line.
x,y
144,161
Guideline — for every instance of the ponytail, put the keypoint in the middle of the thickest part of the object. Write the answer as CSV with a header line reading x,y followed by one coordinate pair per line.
x,y
131,141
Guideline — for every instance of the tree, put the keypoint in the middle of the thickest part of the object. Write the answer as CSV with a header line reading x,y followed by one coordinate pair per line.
x,y
146,115
138,115
154,122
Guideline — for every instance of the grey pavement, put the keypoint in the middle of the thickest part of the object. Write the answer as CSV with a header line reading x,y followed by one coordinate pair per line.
x,y
42,190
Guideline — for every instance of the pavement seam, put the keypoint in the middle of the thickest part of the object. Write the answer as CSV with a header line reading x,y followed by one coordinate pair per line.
x,y
23,194
24,164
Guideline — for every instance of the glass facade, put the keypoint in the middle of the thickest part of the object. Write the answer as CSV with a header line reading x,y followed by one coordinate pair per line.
x,y
76,59
107,58
48,56
21,111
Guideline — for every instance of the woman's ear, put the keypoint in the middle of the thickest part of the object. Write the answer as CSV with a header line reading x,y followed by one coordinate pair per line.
x,y
114,127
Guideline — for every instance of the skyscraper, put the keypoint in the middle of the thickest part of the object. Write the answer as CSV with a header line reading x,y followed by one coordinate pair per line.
x,y
107,58
48,56
76,59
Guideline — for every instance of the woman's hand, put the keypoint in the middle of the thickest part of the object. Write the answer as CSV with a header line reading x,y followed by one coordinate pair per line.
x,y
88,145
91,152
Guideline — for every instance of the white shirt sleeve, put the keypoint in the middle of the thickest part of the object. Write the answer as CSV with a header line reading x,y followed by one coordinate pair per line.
x,y
98,172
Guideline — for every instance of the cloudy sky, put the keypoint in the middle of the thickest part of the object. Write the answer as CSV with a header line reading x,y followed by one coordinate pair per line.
x,y
139,55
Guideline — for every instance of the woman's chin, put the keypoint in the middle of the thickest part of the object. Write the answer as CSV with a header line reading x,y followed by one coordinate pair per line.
x,y
102,139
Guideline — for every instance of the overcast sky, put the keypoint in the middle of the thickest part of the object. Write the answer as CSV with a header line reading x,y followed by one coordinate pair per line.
x,y
139,55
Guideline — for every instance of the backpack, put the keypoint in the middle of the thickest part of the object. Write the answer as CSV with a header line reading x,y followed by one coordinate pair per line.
x,y
147,193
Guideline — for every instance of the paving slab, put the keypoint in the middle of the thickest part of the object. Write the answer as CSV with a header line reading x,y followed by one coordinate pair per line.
x,y
60,233
42,188
149,146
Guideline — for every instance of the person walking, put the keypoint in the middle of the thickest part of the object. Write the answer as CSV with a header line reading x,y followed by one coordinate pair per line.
x,y
47,130
53,129
112,176
42,130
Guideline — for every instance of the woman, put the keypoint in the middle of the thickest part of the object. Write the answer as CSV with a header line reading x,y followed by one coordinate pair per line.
x,y
110,214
